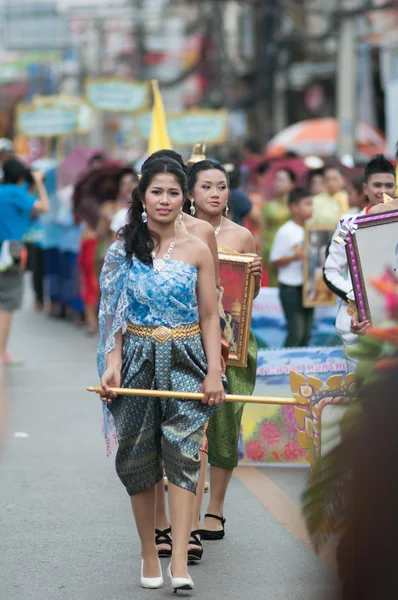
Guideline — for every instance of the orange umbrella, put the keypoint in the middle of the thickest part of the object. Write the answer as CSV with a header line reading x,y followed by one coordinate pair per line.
x,y
319,137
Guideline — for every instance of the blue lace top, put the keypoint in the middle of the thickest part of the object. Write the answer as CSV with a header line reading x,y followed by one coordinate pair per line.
x,y
166,297
134,292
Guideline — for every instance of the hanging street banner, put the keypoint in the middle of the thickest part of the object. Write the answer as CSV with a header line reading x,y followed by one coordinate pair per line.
x,y
185,129
47,121
85,120
205,125
117,95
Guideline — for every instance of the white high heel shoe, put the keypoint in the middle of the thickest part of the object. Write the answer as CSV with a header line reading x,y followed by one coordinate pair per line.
x,y
151,583
180,583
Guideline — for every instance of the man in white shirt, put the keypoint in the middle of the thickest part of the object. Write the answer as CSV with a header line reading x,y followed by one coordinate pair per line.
x,y
379,178
287,256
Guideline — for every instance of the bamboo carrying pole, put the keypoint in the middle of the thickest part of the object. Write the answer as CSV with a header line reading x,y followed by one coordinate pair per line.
x,y
198,396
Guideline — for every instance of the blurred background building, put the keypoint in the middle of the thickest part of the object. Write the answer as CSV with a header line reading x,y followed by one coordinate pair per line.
x,y
270,63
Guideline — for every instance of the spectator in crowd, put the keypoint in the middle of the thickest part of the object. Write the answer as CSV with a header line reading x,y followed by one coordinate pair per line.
x,y
128,182
17,208
239,202
35,259
260,172
96,161
88,253
275,214
256,197
252,155
6,152
97,238
287,256
316,181
357,198
70,232
252,151
331,204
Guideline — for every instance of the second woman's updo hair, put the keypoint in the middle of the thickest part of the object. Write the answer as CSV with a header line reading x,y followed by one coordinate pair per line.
x,y
193,173
138,239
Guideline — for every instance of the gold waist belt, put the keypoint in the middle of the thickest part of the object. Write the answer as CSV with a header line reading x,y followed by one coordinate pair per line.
x,y
163,334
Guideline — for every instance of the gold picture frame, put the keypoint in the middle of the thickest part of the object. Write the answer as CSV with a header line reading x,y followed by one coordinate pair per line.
x,y
236,303
338,391
315,290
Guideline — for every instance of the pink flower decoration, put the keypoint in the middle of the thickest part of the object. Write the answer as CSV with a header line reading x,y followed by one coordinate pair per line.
x,y
255,450
271,433
289,420
292,450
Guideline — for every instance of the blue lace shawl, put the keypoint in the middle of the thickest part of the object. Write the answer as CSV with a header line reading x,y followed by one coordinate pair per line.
x,y
112,318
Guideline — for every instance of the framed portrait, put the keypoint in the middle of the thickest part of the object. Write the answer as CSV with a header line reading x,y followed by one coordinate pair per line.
x,y
372,252
235,304
315,291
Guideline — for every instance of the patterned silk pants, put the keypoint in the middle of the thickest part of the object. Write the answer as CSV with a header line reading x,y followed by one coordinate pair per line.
x,y
156,431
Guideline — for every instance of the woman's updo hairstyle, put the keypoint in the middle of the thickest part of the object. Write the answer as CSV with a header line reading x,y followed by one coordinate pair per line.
x,y
139,240
193,173
161,154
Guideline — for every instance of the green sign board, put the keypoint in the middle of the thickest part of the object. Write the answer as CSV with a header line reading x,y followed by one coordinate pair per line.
x,y
117,95
186,129
49,121
85,118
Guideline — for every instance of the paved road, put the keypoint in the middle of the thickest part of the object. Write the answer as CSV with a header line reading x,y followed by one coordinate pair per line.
x,y
66,531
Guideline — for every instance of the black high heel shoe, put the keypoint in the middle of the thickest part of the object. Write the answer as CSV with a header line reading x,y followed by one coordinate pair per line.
x,y
207,534
163,538
195,554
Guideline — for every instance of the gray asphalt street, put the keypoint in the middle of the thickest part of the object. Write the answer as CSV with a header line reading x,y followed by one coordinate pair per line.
x,y
66,529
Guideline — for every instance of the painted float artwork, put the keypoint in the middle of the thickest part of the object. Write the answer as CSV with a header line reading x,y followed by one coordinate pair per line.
x,y
269,433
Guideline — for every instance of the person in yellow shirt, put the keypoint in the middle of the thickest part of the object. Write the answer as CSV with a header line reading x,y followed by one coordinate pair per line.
x,y
330,205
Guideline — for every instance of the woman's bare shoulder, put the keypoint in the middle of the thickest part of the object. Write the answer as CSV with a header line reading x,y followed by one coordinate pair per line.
x,y
189,242
241,233
191,223
194,249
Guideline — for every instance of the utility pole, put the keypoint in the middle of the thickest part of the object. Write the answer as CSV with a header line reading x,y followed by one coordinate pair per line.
x,y
217,11
97,132
266,24
347,81
138,28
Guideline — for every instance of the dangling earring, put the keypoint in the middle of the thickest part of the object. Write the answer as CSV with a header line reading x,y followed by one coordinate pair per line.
x,y
179,220
226,209
192,210
144,215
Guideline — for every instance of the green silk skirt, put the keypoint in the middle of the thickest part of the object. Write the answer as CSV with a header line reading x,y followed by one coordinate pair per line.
x,y
224,426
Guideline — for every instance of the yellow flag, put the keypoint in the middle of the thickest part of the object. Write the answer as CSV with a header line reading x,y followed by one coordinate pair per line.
x,y
159,139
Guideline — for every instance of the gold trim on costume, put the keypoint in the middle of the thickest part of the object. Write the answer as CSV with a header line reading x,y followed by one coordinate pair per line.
x,y
163,334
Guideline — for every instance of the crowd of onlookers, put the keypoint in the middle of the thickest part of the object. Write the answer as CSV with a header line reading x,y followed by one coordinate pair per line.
x,y
285,196
59,236
67,230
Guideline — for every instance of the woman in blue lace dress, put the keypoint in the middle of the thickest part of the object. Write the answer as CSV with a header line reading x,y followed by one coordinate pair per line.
x,y
159,329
